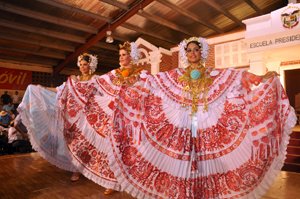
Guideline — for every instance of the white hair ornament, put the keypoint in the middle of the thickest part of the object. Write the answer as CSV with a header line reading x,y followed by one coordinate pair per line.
x,y
92,62
134,53
183,45
131,48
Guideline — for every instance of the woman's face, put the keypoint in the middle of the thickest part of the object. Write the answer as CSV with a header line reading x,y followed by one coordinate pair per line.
x,y
84,67
124,58
193,53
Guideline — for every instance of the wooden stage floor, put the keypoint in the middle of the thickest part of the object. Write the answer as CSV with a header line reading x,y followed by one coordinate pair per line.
x,y
30,176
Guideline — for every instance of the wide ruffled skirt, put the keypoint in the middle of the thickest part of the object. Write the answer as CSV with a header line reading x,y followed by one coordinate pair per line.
x,y
65,128
234,150
41,116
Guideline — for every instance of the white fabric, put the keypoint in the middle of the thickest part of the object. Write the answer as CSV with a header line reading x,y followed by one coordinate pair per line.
x,y
234,150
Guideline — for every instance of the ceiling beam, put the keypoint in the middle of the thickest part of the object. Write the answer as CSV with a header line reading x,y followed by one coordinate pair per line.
x,y
31,67
111,59
270,8
17,56
29,52
75,9
189,15
60,35
102,33
55,34
250,3
38,43
217,6
166,23
115,3
146,32
48,18
157,42
107,46
121,38
42,31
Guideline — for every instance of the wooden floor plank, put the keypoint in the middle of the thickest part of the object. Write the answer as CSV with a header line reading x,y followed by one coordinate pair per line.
x,y
28,176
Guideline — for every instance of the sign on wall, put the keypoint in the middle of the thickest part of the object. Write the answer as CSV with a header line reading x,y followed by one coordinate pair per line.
x,y
279,40
14,79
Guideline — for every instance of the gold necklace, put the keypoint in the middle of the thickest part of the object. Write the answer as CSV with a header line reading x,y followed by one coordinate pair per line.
x,y
127,76
85,77
196,82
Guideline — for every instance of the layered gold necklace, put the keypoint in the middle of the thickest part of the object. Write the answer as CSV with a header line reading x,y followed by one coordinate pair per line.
x,y
196,82
85,77
127,76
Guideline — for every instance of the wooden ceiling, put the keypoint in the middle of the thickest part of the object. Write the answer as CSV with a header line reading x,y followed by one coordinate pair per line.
x,y
54,32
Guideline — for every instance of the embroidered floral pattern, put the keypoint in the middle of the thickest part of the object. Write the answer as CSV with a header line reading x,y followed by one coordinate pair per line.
x,y
78,102
232,156
93,160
